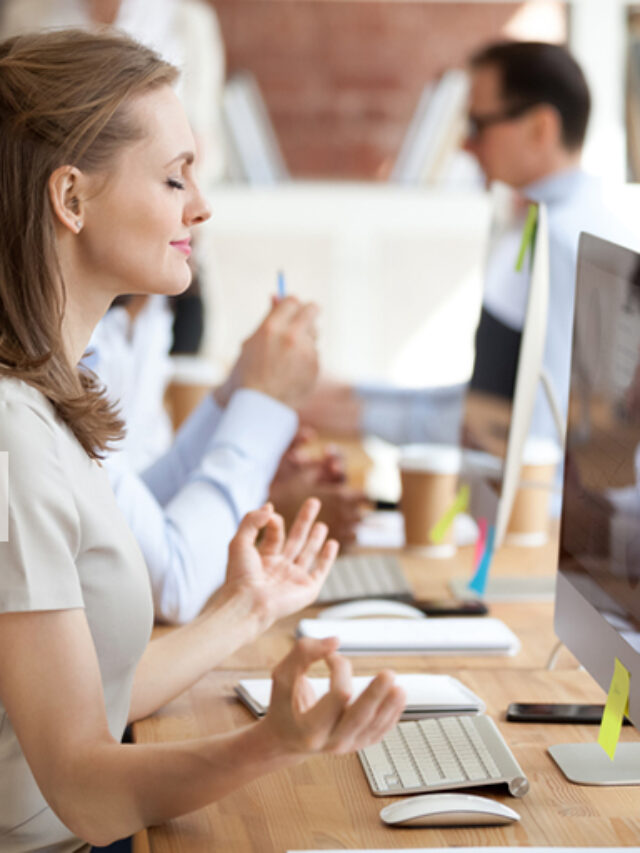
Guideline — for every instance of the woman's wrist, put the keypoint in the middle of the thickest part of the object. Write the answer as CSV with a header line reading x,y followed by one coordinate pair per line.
x,y
272,747
246,606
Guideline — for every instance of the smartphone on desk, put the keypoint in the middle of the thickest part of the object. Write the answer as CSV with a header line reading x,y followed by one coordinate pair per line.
x,y
450,607
545,712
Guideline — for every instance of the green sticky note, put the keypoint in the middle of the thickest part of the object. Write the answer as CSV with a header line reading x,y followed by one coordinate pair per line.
x,y
439,529
615,709
528,235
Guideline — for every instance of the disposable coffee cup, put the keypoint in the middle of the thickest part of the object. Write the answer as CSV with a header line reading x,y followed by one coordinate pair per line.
x,y
429,476
529,522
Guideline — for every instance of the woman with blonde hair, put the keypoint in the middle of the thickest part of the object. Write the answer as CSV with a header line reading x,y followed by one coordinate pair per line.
x,y
98,199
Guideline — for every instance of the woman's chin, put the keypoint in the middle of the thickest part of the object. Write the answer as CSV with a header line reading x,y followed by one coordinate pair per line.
x,y
175,285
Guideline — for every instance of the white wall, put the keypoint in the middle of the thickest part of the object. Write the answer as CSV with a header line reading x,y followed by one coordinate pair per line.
x,y
396,271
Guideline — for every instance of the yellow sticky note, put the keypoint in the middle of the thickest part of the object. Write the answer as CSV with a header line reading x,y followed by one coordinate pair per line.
x,y
528,235
615,709
439,529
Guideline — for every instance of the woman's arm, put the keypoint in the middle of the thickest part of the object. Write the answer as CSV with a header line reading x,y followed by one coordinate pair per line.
x,y
264,583
50,686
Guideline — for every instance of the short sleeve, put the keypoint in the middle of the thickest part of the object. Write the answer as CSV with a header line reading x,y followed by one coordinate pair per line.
x,y
38,562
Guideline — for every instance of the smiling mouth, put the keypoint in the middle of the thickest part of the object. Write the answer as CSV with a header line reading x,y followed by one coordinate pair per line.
x,y
183,246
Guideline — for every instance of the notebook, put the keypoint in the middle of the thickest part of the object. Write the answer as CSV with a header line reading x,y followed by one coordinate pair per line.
x,y
455,635
427,695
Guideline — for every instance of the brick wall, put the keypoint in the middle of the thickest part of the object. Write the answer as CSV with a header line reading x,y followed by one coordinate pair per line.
x,y
341,78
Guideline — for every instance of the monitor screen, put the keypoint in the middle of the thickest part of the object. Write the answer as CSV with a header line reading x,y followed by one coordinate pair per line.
x,y
598,593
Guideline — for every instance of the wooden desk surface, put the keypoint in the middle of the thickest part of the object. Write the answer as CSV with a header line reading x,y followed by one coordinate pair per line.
x,y
326,802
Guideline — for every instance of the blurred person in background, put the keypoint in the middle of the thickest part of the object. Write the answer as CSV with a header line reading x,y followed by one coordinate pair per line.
x,y
528,112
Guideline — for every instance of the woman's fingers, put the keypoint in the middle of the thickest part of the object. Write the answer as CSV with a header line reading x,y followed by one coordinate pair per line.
x,y
272,537
361,715
297,538
388,714
297,662
250,527
324,562
313,545
321,718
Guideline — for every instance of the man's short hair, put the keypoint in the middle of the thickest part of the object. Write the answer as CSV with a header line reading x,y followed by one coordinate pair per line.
x,y
540,73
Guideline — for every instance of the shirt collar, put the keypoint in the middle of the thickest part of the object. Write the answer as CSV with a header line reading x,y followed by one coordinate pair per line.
x,y
556,187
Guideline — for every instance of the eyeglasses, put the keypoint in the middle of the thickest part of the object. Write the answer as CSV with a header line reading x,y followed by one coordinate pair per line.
x,y
478,124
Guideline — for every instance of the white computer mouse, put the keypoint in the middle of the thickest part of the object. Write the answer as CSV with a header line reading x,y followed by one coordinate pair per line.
x,y
448,810
370,608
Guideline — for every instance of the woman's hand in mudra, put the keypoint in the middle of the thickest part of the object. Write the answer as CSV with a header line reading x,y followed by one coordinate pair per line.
x,y
282,573
298,724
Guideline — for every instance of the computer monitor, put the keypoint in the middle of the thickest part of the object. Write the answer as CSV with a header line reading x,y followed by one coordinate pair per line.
x,y
530,375
597,612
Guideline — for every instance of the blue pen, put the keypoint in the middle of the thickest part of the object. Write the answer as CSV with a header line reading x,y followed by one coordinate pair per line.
x,y
282,290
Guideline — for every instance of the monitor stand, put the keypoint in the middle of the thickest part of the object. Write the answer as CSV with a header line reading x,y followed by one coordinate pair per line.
x,y
589,764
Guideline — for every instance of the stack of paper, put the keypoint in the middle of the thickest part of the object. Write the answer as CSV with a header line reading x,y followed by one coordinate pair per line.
x,y
427,695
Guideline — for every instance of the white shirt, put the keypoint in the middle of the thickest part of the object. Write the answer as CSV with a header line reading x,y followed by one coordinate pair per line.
x,y
137,391
184,508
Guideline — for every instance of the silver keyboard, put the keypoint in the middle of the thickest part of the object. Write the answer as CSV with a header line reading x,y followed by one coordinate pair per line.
x,y
365,576
439,754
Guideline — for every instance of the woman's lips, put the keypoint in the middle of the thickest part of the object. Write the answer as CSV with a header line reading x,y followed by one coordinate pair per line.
x,y
183,246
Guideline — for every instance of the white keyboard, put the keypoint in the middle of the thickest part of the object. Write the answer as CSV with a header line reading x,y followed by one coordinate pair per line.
x,y
449,635
365,576
439,754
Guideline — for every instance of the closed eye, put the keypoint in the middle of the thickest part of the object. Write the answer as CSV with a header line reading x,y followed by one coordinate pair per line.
x,y
175,184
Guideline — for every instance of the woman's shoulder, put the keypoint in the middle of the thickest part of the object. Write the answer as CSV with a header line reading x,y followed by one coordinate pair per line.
x,y
19,393
24,411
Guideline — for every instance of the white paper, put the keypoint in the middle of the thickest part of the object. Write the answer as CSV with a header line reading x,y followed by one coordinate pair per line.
x,y
430,692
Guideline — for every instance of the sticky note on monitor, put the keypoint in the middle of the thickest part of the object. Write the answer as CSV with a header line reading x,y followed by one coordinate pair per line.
x,y
616,707
478,582
528,235
460,504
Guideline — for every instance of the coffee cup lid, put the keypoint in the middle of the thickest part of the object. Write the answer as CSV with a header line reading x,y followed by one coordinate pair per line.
x,y
434,458
541,451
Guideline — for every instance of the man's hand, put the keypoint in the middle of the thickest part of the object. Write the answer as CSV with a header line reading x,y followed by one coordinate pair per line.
x,y
333,409
300,476
280,358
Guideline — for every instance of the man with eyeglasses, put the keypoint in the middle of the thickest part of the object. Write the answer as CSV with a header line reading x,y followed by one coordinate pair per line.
x,y
528,112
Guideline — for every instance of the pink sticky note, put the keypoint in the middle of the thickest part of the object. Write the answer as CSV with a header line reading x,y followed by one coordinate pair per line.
x,y
483,527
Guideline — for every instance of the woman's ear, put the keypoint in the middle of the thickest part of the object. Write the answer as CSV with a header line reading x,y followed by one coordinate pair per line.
x,y
64,194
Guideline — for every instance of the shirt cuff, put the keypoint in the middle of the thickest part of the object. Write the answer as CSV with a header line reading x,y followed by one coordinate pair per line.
x,y
260,425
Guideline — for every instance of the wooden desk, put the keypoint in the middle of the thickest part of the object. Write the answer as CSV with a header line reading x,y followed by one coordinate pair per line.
x,y
326,803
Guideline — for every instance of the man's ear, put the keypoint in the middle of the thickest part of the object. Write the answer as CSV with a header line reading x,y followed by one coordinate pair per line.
x,y
546,126
64,185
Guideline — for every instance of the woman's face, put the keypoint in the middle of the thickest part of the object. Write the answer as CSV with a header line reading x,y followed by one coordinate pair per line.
x,y
136,227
